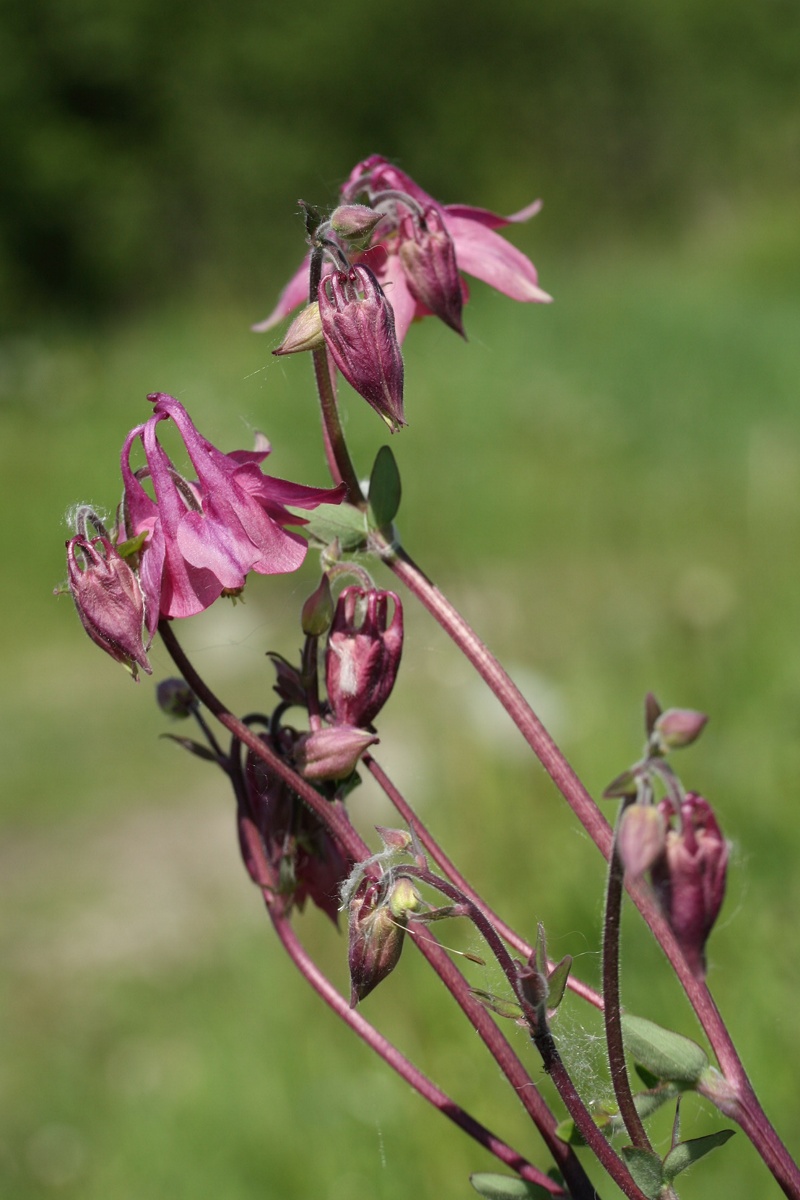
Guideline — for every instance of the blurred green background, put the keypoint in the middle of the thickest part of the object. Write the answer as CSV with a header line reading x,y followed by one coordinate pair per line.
x,y
607,488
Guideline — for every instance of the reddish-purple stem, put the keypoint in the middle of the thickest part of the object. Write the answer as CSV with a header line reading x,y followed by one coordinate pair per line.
x,y
375,1040
747,1109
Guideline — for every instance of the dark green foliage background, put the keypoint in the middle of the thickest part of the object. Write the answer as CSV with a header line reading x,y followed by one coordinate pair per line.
x,y
150,146
607,487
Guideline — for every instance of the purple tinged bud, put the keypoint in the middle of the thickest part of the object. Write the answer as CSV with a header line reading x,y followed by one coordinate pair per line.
x,y
363,654
109,600
332,752
689,877
678,727
358,324
354,223
304,333
176,698
640,838
376,932
428,256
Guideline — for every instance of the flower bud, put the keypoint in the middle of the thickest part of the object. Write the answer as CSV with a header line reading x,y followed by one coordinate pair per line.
x,y
363,654
377,929
109,600
318,610
332,752
354,223
176,698
358,324
640,838
679,727
429,261
689,877
304,333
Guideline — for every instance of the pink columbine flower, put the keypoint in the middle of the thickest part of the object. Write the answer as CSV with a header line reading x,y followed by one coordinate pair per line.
x,y
363,654
204,536
358,326
689,877
414,250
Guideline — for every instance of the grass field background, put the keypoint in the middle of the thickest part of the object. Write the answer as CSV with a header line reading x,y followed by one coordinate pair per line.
x,y
609,489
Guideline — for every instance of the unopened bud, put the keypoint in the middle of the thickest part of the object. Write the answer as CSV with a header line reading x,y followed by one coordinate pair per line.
x,y
304,333
354,223
318,610
176,698
377,929
640,838
332,752
678,727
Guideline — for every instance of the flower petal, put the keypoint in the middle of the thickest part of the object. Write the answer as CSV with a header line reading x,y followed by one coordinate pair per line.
x,y
487,256
295,292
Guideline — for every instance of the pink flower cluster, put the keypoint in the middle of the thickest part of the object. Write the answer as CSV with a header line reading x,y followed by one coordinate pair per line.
x,y
418,248
189,542
388,255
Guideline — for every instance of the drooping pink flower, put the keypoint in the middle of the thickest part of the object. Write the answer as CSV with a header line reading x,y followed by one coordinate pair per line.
x,y
414,247
203,536
689,876
358,326
108,598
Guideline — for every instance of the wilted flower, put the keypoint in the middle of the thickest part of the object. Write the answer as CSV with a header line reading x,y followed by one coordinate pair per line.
x,y
363,654
358,326
109,599
689,877
204,536
413,248
377,923
303,858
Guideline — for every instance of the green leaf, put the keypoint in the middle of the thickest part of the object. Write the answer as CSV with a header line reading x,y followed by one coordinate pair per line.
x,y
332,521
620,787
507,1187
132,545
666,1054
568,1131
384,489
557,981
685,1154
496,1004
645,1168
